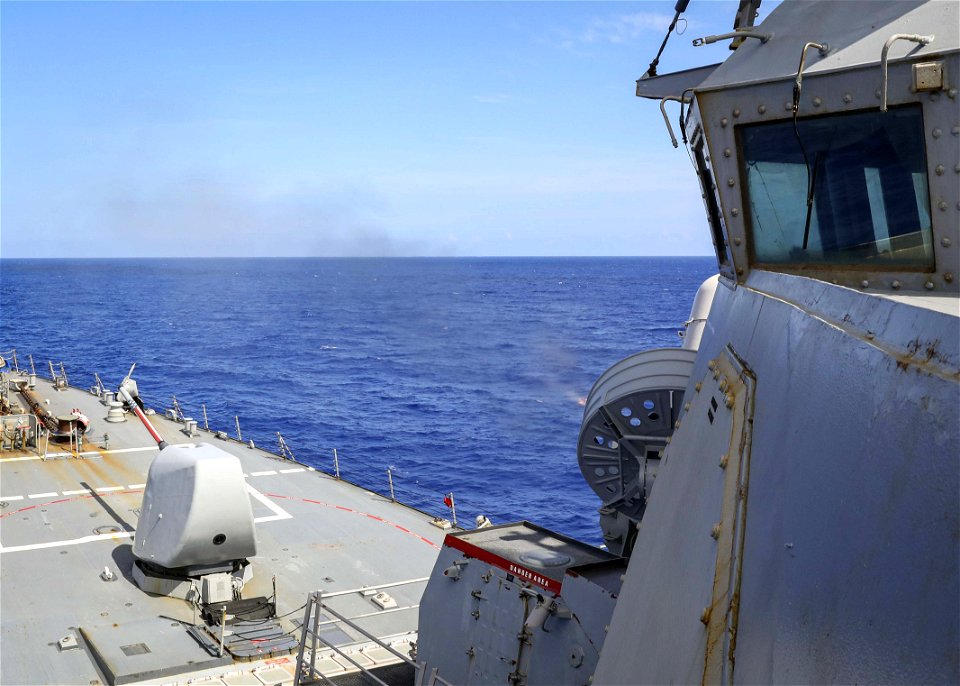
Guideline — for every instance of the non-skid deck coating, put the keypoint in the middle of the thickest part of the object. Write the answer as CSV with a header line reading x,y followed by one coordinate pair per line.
x,y
64,519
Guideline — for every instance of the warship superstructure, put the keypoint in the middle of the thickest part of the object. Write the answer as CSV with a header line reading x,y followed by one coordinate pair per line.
x,y
778,495
783,490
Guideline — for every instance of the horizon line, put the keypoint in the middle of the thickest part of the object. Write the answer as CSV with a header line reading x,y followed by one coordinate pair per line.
x,y
355,257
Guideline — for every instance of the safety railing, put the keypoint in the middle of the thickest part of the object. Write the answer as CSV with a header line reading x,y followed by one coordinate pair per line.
x,y
442,505
307,671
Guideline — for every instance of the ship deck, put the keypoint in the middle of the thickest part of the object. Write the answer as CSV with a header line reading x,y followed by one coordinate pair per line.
x,y
65,518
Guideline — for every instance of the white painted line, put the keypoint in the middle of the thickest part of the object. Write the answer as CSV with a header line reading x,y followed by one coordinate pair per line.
x,y
104,489
246,476
350,591
266,473
128,450
82,491
86,453
11,497
75,541
43,495
292,471
98,453
278,512
269,518
135,486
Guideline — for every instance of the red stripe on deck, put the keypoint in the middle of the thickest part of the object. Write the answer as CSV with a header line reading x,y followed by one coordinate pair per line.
x,y
67,500
357,512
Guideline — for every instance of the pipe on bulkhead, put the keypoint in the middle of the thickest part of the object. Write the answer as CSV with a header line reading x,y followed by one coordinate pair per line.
x,y
702,301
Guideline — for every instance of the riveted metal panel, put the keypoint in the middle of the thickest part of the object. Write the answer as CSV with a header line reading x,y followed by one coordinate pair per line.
x,y
850,557
855,30
738,387
723,112
659,630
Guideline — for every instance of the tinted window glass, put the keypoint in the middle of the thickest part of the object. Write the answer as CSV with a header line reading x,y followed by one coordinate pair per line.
x,y
870,203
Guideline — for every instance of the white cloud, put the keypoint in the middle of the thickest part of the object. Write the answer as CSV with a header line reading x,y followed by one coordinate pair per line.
x,y
615,29
624,28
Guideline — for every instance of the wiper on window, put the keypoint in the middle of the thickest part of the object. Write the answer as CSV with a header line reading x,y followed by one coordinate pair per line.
x,y
811,189
811,175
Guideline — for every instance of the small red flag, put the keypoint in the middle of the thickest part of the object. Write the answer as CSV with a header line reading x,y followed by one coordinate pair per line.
x,y
448,501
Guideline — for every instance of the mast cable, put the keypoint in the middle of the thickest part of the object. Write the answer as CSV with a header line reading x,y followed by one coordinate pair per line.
x,y
679,9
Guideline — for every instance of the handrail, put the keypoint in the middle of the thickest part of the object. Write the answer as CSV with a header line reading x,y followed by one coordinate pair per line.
x,y
311,629
666,119
739,33
913,37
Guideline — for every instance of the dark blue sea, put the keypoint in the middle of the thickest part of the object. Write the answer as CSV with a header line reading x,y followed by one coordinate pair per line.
x,y
461,374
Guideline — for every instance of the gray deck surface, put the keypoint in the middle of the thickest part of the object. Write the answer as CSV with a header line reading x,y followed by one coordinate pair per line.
x,y
313,533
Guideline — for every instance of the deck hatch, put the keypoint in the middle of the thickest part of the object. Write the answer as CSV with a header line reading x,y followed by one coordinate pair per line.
x,y
135,649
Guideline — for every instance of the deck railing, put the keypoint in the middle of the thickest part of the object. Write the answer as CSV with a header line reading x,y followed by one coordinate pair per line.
x,y
306,670
441,505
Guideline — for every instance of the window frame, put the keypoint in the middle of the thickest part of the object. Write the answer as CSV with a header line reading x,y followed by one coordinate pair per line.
x,y
826,265
713,203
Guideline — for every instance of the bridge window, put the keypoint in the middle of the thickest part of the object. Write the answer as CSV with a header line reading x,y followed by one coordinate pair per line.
x,y
867,175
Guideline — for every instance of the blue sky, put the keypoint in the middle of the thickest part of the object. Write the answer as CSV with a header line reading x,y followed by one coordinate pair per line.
x,y
226,128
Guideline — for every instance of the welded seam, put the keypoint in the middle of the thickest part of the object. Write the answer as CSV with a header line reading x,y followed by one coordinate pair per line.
x,y
902,357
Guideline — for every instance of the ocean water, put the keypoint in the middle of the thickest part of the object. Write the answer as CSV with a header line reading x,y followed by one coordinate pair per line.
x,y
462,374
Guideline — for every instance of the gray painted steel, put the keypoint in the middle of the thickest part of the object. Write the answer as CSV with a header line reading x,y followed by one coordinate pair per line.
x,y
628,416
855,31
482,622
804,525
850,551
195,495
850,84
